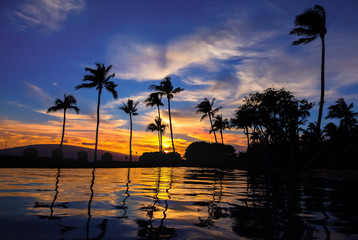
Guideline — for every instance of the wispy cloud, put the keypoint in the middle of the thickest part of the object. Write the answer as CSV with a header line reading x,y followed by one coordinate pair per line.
x,y
45,15
37,93
17,104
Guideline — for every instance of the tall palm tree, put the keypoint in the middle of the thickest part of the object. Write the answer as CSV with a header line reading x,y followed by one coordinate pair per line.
x,y
130,108
207,109
67,103
344,112
99,78
220,124
166,88
159,126
311,24
155,99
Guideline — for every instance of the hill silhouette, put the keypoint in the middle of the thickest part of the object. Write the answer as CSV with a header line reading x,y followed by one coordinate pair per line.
x,y
69,151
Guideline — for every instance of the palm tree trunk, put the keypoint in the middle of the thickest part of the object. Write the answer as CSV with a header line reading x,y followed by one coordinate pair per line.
x,y
222,139
159,141
170,123
322,85
246,132
216,141
98,104
63,127
160,134
130,139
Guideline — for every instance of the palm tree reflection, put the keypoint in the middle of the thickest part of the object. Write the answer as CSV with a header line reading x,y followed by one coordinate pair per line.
x,y
214,210
146,228
128,195
56,191
89,204
52,205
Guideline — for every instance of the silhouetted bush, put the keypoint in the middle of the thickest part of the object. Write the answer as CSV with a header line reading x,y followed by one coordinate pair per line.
x,y
57,154
160,158
107,157
82,156
210,153
30,153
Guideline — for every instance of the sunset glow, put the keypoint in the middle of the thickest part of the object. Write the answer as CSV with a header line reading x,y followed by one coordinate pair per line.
x,y
224,50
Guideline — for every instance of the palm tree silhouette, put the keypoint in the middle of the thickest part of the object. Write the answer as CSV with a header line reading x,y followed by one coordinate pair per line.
x,y
155,99
206,107
220,124
344,112
311,24
100,79
166,88
130,108
243,118
67,103
159,126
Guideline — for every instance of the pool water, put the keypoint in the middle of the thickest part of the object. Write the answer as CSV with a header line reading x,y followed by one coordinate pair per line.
x,y
177,203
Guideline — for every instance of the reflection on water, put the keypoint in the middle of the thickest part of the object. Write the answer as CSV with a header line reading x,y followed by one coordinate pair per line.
x,y
177,203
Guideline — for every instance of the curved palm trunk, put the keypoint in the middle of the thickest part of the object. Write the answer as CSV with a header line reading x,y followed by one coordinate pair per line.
x,y
130,139
98,104
63,127
222,139
216,141
322,85
170,123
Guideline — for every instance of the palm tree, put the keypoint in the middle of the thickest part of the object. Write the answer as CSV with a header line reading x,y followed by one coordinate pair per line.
x,y
311,24
344,112
155,99
220,124
166,88
243,118
159,126
130,108
206,107
64,105
100,79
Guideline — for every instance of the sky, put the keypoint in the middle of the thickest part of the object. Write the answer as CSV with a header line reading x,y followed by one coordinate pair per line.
x,y
223,49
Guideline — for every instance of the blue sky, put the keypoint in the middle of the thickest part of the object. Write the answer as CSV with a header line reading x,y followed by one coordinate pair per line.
x,y
223,49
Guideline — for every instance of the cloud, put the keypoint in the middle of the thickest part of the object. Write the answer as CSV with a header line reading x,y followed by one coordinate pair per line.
x,y
37,93
46,15
17,104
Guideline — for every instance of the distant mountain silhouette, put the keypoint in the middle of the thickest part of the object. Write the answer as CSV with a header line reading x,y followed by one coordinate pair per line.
x,y
45,150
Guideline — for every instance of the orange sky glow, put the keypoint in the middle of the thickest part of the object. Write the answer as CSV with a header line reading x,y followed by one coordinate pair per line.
x,y
80,131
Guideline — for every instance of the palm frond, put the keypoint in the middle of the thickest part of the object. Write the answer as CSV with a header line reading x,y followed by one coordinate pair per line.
x,y
155,88
216,110
130,107
177,90
204,116
111,87
69,99
55,108
303,41
300,31
90,78
151,127
74,108
58,102
86,85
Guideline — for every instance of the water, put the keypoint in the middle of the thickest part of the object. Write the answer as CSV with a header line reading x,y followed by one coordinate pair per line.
x,y
177,203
